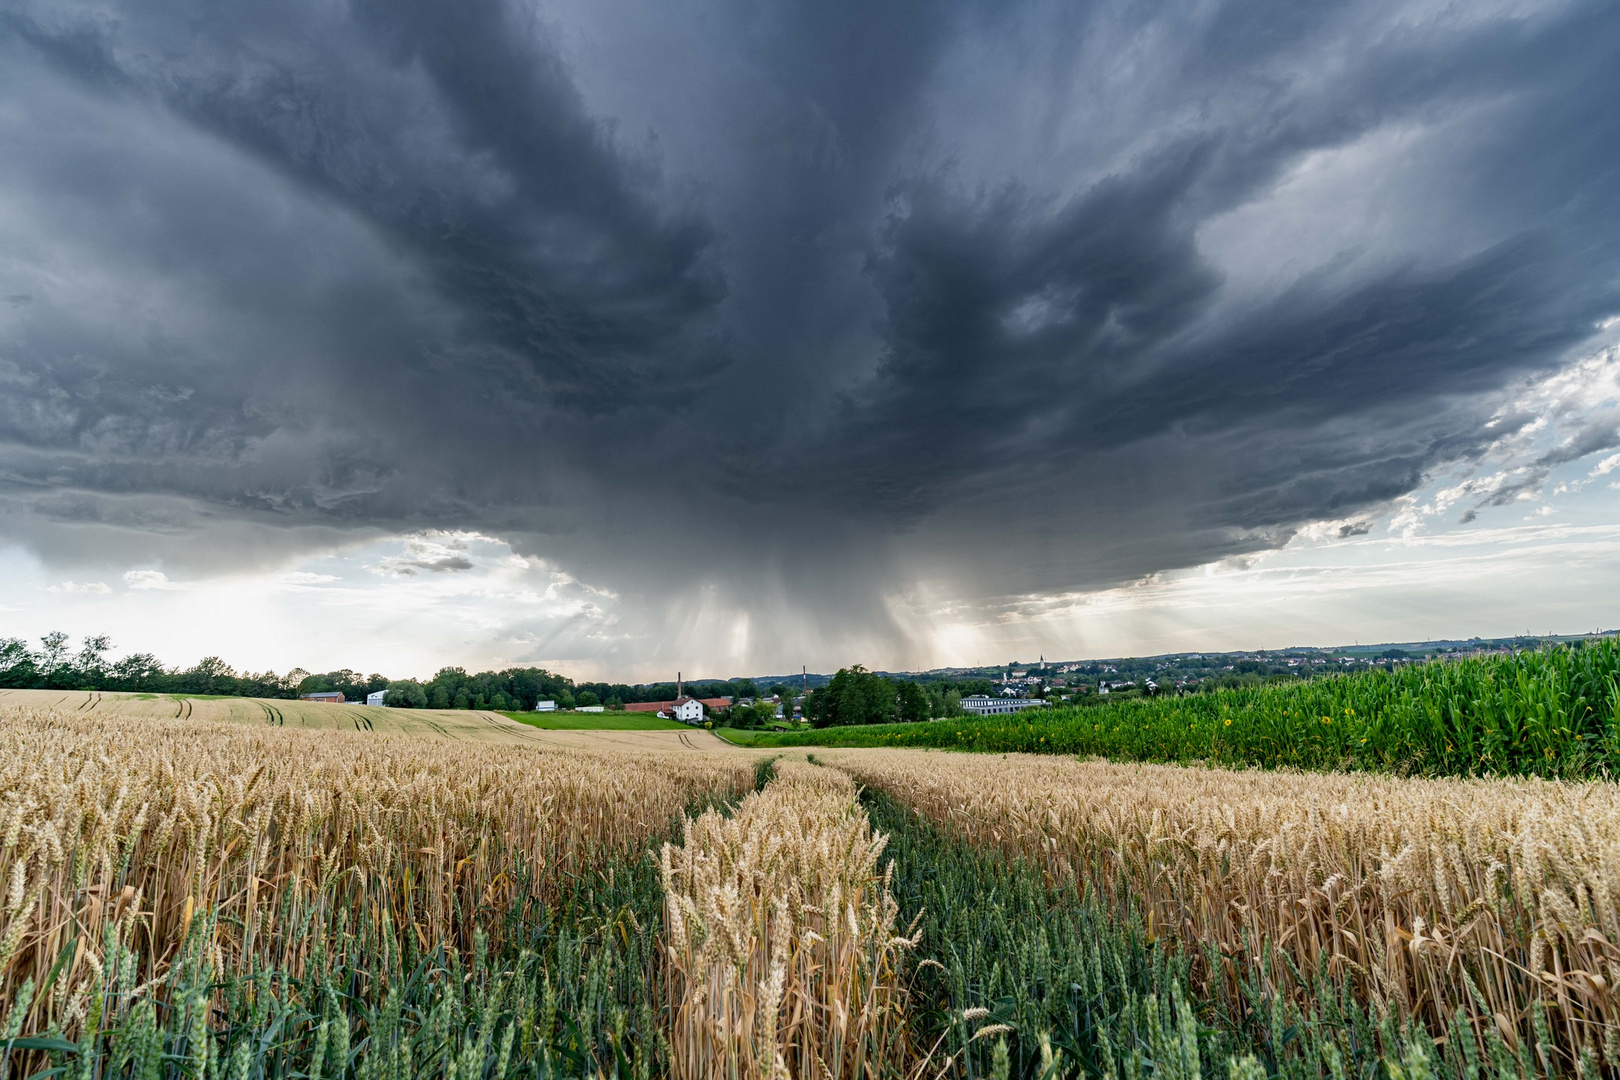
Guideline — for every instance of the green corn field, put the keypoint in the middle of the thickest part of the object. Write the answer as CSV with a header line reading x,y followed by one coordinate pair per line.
x,y
1550,712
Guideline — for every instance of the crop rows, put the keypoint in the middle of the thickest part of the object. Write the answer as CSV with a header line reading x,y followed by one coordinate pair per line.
x,y
1493,904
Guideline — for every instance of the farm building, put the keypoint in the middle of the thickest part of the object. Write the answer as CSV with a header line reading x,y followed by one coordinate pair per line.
x,y
330,697
688,710
684,708
375,697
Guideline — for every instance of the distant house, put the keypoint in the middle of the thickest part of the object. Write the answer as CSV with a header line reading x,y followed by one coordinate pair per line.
x,y
375,697
688,710
329,697
588,708
980,705
545,706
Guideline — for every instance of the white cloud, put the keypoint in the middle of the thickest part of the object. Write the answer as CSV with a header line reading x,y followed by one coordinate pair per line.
x,y
82,587
304,577
147,579
1606,466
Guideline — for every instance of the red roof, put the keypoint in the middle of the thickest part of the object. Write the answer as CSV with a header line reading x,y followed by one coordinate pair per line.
x,y
666,706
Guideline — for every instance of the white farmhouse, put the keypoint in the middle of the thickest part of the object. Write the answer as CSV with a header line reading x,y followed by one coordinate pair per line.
x,y
688,710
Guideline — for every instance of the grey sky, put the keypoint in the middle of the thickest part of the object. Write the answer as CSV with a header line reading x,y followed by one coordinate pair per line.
x,y
802,309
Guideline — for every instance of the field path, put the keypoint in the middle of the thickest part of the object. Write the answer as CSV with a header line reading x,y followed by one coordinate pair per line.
x,y
456,725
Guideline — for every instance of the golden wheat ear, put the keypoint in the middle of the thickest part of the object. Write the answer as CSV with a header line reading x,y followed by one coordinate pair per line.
x,y
799,972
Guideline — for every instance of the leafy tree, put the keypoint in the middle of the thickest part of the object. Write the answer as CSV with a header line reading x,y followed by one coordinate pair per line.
x,y
586,697
912,702
141,671
439,698
757,715
614,704
55,673
92,660
18,666
211,676
500,702
853,696
405,694
292,681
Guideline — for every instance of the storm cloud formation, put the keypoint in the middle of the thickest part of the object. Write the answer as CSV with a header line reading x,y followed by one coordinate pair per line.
x,y
805,303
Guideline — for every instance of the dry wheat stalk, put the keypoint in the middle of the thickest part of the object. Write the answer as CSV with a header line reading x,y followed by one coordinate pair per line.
x,y
1410,888
278,830
783,951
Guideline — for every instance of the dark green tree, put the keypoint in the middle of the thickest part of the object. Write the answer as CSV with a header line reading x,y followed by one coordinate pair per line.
x,y
405,694
913,702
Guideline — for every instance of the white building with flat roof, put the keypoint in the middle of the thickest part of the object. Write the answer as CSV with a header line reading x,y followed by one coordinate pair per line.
x,y
979,705
375,697
545,706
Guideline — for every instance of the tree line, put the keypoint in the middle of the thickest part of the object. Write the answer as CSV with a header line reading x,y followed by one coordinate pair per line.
x,y
56,665
858,696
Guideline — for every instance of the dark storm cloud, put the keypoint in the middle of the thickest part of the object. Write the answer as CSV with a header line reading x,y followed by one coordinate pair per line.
x,y
1017,298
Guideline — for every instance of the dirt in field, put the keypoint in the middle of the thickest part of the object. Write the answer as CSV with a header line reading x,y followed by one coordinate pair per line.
x,y
453,724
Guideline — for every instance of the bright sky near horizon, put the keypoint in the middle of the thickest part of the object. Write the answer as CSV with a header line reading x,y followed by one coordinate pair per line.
x,y
626,338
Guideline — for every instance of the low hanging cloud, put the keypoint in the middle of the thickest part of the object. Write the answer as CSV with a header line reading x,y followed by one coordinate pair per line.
x,y
796,311
81,588
145,580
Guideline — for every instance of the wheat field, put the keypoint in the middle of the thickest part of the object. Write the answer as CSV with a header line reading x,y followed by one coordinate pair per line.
x,y
623,910
454,725
1430,896
104,819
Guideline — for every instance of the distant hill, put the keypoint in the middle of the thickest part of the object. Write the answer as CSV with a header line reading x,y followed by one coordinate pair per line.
x,y
1415,650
